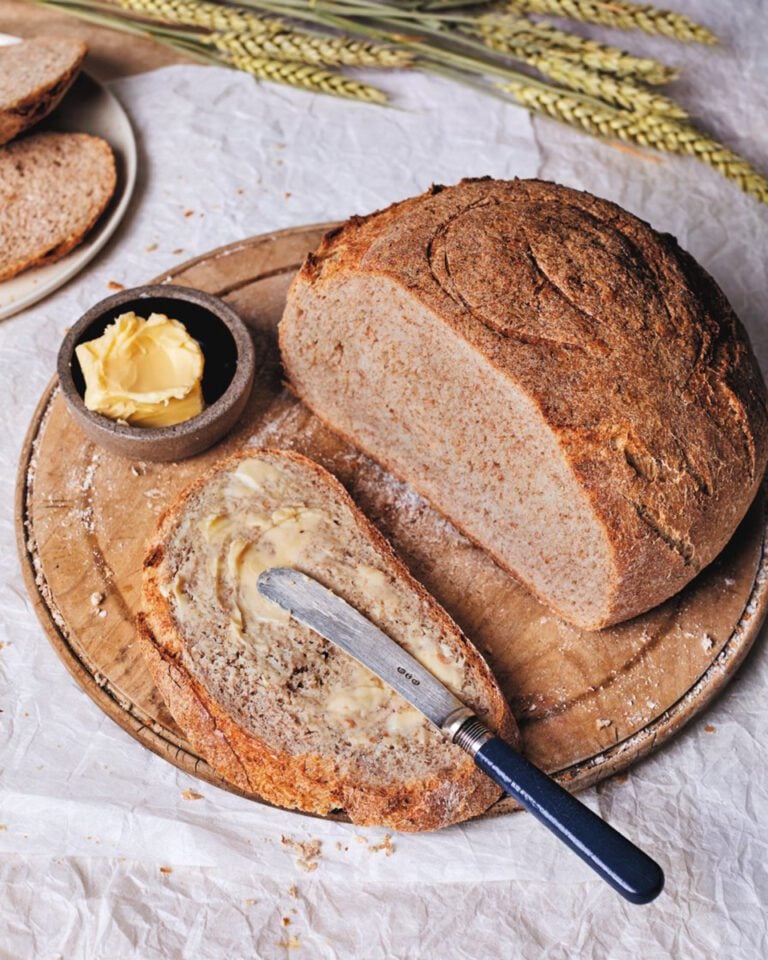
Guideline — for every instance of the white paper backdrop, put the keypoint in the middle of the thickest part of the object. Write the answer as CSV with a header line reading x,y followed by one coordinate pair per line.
x,y
101,854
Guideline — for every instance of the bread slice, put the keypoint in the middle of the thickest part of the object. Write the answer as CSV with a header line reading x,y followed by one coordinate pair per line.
x,y
34,76
53,189
275,709
562,382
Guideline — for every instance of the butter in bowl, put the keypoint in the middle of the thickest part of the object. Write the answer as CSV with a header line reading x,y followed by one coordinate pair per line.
x,y
157,372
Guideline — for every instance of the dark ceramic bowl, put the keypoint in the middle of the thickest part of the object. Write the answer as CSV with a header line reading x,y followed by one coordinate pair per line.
x,y
227,374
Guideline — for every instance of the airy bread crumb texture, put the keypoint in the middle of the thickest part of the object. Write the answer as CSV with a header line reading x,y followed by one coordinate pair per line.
x,y
53,189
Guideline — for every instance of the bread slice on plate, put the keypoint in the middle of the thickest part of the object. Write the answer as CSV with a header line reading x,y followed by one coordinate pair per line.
x,y
53,189
34,76
562,382
274,708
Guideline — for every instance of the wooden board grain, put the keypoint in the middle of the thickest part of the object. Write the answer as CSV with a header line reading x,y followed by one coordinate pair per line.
x,y
588,704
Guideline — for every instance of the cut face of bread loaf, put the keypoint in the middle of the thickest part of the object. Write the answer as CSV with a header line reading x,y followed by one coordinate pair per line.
x,y
565,384
273,707
53,189
34,76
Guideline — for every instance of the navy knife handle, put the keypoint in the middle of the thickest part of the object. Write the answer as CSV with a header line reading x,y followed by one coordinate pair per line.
x,y
617,860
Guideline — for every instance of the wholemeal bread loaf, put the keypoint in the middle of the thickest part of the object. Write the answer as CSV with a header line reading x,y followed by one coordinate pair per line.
x,y
34,76
53,189
565,384
277,710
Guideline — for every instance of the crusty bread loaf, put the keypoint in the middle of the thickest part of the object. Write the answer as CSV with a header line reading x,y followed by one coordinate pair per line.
x,y
34,76
277,710
53,189
565,384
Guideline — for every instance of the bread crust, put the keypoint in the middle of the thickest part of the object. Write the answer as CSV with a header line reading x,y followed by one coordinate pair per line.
x,y
30,109
311,783
669,472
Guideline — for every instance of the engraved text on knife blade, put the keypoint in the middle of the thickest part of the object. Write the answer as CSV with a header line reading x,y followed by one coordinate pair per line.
x,y
323,611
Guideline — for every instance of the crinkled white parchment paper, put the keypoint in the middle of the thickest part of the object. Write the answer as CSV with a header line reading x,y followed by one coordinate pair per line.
x,y
102,851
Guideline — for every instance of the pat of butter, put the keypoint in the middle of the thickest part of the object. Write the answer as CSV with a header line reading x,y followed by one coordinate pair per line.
x,y
144,372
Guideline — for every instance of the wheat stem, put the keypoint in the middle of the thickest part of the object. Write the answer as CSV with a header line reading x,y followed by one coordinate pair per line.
x,y
623,15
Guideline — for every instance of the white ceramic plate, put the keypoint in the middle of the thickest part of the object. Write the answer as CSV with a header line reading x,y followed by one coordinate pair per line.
x,y
88,107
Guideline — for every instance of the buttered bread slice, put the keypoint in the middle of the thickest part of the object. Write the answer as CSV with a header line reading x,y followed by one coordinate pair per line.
x,y
274,708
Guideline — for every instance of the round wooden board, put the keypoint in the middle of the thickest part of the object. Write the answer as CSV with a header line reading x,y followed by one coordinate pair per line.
x,y
588,704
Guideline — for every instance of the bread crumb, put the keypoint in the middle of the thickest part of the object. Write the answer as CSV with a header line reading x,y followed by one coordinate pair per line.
x,y
293,891
286,921
621,777
603,723
115,285
166,870
178,250
708,728
249,902
101,614
386,845
96,598
287,195
729,582
189,213
309,852
191,795
707,643
151,248
290,943
3,826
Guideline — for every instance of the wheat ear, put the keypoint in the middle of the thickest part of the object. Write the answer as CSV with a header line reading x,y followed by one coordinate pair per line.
x,y
621,14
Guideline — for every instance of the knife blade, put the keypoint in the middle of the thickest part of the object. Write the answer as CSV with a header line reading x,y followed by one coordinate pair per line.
x,y
629,870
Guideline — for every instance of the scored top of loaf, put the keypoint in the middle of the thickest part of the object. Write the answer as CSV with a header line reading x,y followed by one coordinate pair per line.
x,y
629,349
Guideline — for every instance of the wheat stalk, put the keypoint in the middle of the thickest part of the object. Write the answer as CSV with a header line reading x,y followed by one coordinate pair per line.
x,y
291,45
510,34
646,130
623,15
307,77
201,13
276,38
612,90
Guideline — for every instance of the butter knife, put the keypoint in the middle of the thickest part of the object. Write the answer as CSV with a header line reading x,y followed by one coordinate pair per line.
x,y
611,855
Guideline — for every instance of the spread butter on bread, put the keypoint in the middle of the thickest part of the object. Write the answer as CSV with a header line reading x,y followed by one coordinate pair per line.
x,y
274,708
